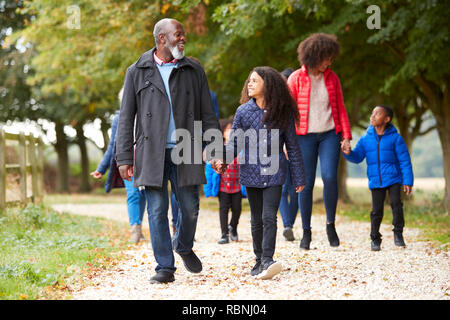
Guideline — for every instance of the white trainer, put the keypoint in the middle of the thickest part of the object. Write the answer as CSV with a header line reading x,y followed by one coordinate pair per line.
x,y
270,271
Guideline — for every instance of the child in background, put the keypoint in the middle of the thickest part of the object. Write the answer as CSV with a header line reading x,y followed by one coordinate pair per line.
x,y
269,111
388,169
229,190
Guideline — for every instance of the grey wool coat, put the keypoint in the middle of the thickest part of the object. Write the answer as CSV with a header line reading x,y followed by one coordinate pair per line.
x,y
144,119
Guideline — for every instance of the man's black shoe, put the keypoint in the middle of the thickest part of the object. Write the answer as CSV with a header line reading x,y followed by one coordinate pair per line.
x,y
162,277
191,262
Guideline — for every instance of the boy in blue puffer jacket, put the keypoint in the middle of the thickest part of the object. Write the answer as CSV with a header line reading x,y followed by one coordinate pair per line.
x,y
388,169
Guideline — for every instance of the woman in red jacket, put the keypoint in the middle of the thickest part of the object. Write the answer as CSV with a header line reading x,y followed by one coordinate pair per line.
x,y
323,124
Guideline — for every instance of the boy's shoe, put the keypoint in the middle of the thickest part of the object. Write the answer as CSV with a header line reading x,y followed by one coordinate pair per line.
x,y
269,270
288,234
162,277
223,240
256,269
233,233
136,233
191,262
306,240
398,239
375,245
332,235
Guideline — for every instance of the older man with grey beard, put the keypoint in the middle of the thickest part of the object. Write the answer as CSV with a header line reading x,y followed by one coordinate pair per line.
x,y
163,92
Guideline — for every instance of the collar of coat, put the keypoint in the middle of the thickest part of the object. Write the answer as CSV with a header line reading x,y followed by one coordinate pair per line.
x,y
390,129
147,61
304,70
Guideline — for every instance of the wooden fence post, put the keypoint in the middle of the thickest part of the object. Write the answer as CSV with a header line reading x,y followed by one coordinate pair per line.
x,y
23,168
40,168
34,177
2,170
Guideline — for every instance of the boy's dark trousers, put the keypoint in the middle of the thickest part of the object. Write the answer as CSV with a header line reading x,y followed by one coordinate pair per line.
x,y
227,201
264,203
376,216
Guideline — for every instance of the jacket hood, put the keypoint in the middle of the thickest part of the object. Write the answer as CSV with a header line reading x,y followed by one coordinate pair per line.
x,y
390,129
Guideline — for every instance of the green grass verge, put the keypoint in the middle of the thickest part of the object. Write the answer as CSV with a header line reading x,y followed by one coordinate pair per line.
x,y
42,251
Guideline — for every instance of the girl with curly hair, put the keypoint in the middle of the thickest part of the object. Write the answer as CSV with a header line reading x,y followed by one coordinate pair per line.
x,y
269,111
323,124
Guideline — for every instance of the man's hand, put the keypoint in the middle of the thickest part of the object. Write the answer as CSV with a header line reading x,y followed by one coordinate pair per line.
x,y
345,146
96,174
299,189
407,189
218,166
126,171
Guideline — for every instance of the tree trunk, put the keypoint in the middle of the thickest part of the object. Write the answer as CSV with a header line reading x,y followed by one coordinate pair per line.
x,y
342,180
84,159
438,101
104,128
444,137
61,147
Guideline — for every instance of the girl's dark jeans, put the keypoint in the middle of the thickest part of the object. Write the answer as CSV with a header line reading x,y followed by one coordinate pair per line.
x,y
229,201
376,216
264,204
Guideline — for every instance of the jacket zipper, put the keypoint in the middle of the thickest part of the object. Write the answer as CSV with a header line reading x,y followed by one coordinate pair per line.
x,y
379,161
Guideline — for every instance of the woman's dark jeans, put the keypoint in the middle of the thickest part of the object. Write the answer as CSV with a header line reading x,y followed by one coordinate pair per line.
x,y
264,204
326,147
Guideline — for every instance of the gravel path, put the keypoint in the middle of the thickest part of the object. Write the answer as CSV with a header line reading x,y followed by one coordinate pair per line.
x,y
351,271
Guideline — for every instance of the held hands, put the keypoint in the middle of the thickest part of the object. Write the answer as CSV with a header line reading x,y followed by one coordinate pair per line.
x,y
407,189
126,171
345,146
299,189
218,166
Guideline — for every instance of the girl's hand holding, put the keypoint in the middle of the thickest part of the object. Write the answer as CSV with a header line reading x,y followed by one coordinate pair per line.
x,y
218,166
299,189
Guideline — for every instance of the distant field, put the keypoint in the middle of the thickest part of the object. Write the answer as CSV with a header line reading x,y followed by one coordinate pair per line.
x,y
419,183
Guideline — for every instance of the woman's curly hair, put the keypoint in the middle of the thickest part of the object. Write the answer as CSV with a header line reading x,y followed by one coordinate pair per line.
x,y
281,107
316,48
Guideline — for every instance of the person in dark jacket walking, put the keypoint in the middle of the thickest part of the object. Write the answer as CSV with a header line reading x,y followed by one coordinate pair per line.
x,y
164,94
264,123
135,198
388,169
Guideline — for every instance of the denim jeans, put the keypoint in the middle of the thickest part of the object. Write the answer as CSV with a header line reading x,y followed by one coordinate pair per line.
x,y
174,207
135,203
158,207
264,204
289,201
326,147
